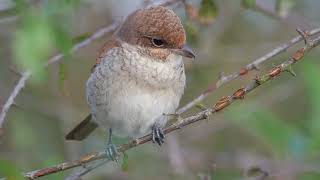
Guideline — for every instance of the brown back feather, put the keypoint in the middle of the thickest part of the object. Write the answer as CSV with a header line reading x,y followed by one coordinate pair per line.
x,y
112,43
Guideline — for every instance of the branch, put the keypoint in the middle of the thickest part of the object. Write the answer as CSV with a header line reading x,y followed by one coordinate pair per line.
x,y
15,92
245,70
202,115
252,66
77,174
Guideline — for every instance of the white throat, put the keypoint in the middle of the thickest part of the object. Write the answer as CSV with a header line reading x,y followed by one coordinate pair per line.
x,y
155,72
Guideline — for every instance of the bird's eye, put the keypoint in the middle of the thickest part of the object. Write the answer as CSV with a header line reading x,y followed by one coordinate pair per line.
x,y
157,42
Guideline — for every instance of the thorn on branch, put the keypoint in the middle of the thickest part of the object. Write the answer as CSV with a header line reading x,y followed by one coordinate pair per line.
x,y
289,69
305,36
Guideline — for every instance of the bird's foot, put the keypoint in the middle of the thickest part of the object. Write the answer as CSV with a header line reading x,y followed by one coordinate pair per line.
x,y
111,149
112,152
157,134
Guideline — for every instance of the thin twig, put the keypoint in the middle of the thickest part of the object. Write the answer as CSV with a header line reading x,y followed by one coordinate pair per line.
x,y
26,75
77,174
202,115
15,92
243,71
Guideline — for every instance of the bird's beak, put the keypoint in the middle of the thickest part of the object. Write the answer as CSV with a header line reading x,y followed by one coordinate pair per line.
x,y
185,51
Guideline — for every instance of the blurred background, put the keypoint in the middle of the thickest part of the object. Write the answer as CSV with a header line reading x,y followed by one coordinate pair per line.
x,y
274,133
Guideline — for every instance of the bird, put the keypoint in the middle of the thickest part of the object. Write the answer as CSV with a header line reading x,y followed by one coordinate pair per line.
x,y
138,78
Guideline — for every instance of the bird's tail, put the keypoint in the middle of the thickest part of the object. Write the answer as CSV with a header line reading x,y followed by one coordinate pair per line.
x,y
82,130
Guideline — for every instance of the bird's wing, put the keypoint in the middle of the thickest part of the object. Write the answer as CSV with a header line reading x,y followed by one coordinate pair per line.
x,y
86,126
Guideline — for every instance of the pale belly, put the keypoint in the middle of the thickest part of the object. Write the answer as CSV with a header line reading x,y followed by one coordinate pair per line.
x,y
131,112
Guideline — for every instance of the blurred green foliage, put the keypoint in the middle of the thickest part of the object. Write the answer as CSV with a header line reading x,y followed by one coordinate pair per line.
x,y
208,11
270,130
248,3
125,162
41,30
10,170
311,76
33,44
36,130
192,33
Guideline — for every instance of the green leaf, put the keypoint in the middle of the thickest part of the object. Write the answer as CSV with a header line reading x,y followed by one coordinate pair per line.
x,y
10,171
63,40
207,12
40,32
125,162
33,44
248,3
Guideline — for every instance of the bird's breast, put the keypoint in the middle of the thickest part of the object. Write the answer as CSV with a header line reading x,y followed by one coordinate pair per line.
x,y
129,93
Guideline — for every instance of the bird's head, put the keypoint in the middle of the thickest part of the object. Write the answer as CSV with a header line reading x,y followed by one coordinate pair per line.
x,y
158,31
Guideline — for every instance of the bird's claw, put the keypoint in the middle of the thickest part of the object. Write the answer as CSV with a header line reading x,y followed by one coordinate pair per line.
x,y
112,152
157,135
